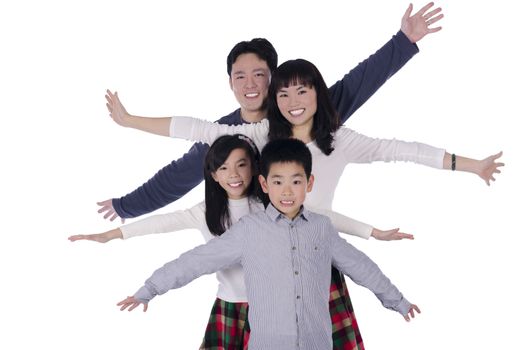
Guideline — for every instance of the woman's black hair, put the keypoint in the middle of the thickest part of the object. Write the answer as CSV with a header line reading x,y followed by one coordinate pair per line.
x,y
326,119
217,213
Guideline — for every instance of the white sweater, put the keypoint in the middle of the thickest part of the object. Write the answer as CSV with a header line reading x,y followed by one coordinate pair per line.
x,y
349,147
231,285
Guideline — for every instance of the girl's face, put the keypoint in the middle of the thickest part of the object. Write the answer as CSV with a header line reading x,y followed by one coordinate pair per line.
x,y
235,174
298,104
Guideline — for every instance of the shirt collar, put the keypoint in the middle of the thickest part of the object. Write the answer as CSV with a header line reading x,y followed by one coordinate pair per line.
x,y
276,215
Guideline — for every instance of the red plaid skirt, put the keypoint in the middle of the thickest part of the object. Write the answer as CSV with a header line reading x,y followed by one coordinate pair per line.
x,y
228,328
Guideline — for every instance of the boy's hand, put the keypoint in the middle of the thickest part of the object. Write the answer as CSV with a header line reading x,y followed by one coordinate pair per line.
x,y
411,312
390,235
131,303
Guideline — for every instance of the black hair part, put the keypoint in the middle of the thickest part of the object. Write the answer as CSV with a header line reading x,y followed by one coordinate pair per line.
x,y
260,47
326,120
285,151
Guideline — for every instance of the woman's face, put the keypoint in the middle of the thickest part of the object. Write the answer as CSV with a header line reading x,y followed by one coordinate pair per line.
x,y
235,174
298,104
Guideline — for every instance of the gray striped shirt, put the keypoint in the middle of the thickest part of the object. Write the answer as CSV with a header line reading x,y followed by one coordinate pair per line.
x,y
287,271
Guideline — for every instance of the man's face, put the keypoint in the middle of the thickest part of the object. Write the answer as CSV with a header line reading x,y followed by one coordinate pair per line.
x,y
287,186
250,78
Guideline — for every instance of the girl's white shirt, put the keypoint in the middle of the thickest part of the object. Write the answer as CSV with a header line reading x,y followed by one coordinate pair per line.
x,y
231,285
349,147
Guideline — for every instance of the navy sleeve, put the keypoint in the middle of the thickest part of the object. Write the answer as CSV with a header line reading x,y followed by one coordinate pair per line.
x,y
171,182
358,85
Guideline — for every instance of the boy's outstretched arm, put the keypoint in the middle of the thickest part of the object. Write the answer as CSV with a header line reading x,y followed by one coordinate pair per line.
x,y
131,303
485,168
158,126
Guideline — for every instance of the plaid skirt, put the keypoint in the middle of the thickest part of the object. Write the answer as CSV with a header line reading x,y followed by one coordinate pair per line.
x,y
228,328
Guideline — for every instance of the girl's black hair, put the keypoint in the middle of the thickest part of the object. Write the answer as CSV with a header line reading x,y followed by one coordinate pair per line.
x,y
217,213
326,119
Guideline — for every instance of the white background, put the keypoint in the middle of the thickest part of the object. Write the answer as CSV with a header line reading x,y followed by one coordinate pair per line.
x,y
61,153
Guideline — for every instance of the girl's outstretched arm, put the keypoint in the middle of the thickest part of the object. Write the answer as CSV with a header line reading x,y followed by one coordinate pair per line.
x,y
485,168
99,237
353,227
158,126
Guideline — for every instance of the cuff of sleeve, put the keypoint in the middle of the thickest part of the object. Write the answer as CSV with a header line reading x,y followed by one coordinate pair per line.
x,y
144,295
403,307
405,44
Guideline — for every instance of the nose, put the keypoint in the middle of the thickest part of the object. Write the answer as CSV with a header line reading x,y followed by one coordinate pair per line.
x,y
250,82
286,191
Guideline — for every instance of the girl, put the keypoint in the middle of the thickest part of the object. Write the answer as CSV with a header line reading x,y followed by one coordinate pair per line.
x,y
231,191
299,106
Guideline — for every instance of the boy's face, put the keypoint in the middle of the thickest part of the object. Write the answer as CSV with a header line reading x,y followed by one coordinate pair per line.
x,y
250,78
287,186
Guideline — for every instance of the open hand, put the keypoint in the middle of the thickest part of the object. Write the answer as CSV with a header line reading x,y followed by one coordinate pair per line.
x,y
131,303
417,26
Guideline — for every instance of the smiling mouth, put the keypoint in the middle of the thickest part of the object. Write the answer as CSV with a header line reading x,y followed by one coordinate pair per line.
x,y
286,203
235,184
296,112
252,95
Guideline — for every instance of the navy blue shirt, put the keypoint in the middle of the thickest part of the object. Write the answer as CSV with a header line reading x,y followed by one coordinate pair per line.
x,y
348,94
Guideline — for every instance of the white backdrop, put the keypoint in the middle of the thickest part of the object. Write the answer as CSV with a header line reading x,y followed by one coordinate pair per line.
x,y
464,91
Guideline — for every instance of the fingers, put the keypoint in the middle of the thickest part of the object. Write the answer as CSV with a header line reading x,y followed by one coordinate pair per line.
x,y
145,307
432,13
434,20
425,8
408,12
402,235
75,238
113,216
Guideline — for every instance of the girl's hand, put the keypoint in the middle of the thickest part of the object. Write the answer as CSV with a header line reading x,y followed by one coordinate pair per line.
x,y
411,312
390,235
131,303
99,237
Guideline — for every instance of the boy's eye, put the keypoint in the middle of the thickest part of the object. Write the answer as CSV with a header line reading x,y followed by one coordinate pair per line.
x,y
297,182
276,182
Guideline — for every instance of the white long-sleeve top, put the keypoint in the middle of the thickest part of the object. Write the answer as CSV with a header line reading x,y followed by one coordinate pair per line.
x,y
349,147
231,285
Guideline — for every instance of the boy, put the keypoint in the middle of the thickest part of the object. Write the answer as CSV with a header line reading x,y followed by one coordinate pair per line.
x,y
286,253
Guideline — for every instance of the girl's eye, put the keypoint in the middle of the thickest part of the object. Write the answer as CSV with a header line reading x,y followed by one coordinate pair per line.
x,y
222,168
282,95
242,165
302,92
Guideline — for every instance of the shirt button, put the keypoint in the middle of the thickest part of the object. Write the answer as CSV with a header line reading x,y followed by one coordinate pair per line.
x,y
298,297
294,247
315,248
296,272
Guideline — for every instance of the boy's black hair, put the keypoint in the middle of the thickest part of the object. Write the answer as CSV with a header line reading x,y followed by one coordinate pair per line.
x,y
259,46
285,151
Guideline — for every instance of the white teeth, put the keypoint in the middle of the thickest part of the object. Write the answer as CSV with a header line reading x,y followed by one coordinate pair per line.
x,y
254,94
287,202
297,112
235,184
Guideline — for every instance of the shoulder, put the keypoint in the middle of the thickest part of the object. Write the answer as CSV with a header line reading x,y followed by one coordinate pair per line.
x,y
232,118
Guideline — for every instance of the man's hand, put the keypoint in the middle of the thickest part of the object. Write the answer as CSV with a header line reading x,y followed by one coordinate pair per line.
x,y
417,26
